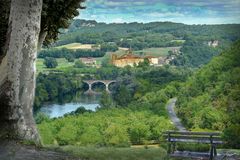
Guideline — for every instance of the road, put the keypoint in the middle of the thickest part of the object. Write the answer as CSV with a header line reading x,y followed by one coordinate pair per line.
x,y
175,120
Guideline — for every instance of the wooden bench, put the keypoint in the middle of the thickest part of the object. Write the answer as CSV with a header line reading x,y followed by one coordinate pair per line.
x,y
212,138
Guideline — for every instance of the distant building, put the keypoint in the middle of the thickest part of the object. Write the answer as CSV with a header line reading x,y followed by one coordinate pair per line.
x,y
161,61
89,61
130,59
213,43
152,60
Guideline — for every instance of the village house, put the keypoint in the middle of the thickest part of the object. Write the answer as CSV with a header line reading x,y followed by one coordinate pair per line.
x,y
213,43
89,61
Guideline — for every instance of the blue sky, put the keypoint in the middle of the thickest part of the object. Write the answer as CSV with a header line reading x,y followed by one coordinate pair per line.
x,y
184,11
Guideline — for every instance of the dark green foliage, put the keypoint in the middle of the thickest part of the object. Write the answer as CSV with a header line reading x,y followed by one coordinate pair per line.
x,y
155,34
50,62
111,127
52,86
196,52
81,110
58,14
144,64
108,47
79,64
40,117
67,53
210,99
69,58
106,100
124,90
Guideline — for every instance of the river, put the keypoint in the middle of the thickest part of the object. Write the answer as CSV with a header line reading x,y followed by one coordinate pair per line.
x,y
56,109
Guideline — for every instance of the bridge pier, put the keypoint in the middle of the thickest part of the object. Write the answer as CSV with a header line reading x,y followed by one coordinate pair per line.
x,y
107,87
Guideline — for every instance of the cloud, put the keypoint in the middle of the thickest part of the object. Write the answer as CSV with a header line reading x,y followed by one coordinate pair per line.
x,y
186,11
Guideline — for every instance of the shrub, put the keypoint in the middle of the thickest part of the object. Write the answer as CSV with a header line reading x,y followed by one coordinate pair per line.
x,y
50,62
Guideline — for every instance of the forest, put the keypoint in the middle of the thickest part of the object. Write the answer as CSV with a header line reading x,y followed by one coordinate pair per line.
x,y
210,98
193,39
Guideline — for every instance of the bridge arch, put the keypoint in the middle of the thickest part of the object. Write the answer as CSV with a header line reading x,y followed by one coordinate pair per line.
x,y
105,82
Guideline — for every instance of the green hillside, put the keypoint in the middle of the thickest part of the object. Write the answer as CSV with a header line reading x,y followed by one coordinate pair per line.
x,y
211,98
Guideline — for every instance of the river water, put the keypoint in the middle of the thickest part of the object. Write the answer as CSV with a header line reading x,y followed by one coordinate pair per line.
x,y
56,109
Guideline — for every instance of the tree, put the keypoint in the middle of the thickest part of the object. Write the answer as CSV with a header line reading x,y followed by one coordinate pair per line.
x,y
20,28
79,64
106,100
144,64
69,58
55,15
17,70
50,62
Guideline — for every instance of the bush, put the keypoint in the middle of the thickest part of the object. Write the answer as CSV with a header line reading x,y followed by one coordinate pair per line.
x,y
41,117
69,58
50,62
79,64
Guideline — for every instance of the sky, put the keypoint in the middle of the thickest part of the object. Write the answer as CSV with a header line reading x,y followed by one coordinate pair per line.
x,y
182,11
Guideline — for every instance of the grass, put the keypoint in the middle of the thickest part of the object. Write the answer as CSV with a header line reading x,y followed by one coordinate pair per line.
x,y
62,64
110,153
178,40
157,52
76,46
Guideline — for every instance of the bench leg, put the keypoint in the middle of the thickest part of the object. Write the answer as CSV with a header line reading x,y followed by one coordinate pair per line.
x,y
169,147
215,150
174,147
211,153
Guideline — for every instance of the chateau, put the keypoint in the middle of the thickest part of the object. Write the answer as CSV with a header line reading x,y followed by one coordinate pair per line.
x,y
129,59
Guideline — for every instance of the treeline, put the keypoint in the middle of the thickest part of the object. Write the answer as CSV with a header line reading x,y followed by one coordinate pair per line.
x,y
136,41
155,34
210,99
53,87
66,53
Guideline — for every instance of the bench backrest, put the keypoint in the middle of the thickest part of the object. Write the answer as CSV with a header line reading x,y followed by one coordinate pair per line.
x,y
194,137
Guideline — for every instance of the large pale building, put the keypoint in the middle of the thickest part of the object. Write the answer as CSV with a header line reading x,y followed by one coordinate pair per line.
x,y
130,59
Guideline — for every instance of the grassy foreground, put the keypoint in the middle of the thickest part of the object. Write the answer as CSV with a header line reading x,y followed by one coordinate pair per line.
x,y
109,153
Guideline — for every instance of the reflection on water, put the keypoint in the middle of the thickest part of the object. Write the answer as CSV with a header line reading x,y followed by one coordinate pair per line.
x,y
90,102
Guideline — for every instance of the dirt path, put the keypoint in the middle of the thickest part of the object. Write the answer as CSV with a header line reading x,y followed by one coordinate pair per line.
x,y
16,151
175,120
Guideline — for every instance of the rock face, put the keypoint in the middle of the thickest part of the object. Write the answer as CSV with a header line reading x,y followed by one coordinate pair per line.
x,y
17,71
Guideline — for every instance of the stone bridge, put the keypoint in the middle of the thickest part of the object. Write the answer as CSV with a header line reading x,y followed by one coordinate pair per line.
x,y
91,82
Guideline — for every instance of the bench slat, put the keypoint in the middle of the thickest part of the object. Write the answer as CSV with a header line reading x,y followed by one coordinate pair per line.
x,y
195,141
193,133
196,137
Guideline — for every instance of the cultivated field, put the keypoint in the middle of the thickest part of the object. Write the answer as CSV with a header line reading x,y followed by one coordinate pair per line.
x,y
157,52
62,64
77,46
